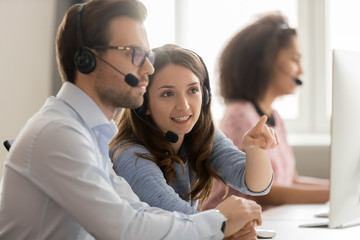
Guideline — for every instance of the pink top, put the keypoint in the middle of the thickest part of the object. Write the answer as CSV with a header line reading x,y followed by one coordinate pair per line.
x,y
239,117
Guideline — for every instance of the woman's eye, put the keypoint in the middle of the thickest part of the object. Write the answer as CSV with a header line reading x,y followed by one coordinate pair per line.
x,y
194,90
167,94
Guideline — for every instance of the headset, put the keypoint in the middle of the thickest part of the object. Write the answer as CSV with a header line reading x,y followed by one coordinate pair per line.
x,y
84,59
206,87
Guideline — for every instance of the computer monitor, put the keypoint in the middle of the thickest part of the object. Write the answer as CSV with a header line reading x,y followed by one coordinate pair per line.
x,y
345,140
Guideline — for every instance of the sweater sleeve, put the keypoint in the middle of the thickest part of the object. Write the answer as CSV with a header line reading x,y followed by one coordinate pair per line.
x,y
229,162
148,182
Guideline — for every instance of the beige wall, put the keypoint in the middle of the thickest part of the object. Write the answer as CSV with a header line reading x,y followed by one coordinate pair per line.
x,y
313,161
26,44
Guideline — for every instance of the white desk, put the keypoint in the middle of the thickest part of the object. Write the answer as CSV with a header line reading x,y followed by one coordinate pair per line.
x,y
285,220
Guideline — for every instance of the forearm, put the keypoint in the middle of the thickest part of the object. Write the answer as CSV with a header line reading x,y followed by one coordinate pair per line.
x,y
311,181
294,194
258,170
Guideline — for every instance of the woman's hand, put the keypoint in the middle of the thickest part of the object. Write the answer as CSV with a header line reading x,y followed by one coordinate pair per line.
x,y
260,136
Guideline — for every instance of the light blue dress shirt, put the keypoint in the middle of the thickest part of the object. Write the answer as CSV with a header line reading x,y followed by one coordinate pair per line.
x,y
58,183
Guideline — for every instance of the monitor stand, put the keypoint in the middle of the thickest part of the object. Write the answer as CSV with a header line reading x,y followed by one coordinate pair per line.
x,y
325,224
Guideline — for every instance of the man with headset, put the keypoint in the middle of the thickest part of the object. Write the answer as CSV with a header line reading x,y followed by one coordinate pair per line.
x,y
58,180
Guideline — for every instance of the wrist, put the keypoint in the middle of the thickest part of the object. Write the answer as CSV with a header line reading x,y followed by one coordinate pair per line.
x,y
223,220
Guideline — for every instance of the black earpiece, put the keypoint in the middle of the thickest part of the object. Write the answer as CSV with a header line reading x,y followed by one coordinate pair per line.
x,y
84,59
206,87
206,96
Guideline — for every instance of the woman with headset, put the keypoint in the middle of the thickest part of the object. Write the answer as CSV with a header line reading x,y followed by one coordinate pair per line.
x,y
175,171
261,63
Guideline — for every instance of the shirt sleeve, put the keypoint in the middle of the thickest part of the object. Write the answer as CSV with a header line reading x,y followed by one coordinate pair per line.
x,y
66,167
148,182
229,162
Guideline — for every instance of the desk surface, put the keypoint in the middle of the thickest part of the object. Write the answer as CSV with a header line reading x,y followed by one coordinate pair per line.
x,y
285,220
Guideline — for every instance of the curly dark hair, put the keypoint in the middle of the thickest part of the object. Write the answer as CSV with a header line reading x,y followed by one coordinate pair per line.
x,y
246,63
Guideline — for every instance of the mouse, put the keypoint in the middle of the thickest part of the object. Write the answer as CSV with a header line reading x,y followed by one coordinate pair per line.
x,y
265,233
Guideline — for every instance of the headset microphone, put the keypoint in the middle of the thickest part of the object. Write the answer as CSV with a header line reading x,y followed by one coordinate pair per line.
x,y
129,78
169,135
298,82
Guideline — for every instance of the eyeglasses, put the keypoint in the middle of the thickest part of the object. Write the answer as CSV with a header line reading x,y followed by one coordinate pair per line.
x,y
138,55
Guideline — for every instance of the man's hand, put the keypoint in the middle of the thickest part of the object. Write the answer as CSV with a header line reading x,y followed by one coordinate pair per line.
x,y
248,232
261,136
239,211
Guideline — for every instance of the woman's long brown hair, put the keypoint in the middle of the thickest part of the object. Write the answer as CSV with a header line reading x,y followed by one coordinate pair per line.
x,y
198,142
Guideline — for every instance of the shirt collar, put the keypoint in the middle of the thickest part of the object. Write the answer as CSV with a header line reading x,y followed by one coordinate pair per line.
x,y
86,108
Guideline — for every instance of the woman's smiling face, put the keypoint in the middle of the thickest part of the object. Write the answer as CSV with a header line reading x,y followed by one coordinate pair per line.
x,y
175,99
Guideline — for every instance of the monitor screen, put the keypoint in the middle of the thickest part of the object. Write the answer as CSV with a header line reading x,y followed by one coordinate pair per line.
x,y
345,140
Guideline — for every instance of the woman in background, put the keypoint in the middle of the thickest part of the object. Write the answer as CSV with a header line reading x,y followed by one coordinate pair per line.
x,y
258,65
174,174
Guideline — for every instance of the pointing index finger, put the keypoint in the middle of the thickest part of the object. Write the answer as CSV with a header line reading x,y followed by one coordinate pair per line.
x,y
260,124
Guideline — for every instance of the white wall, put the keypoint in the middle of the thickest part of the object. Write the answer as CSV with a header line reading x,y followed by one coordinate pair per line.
x,y
26,45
